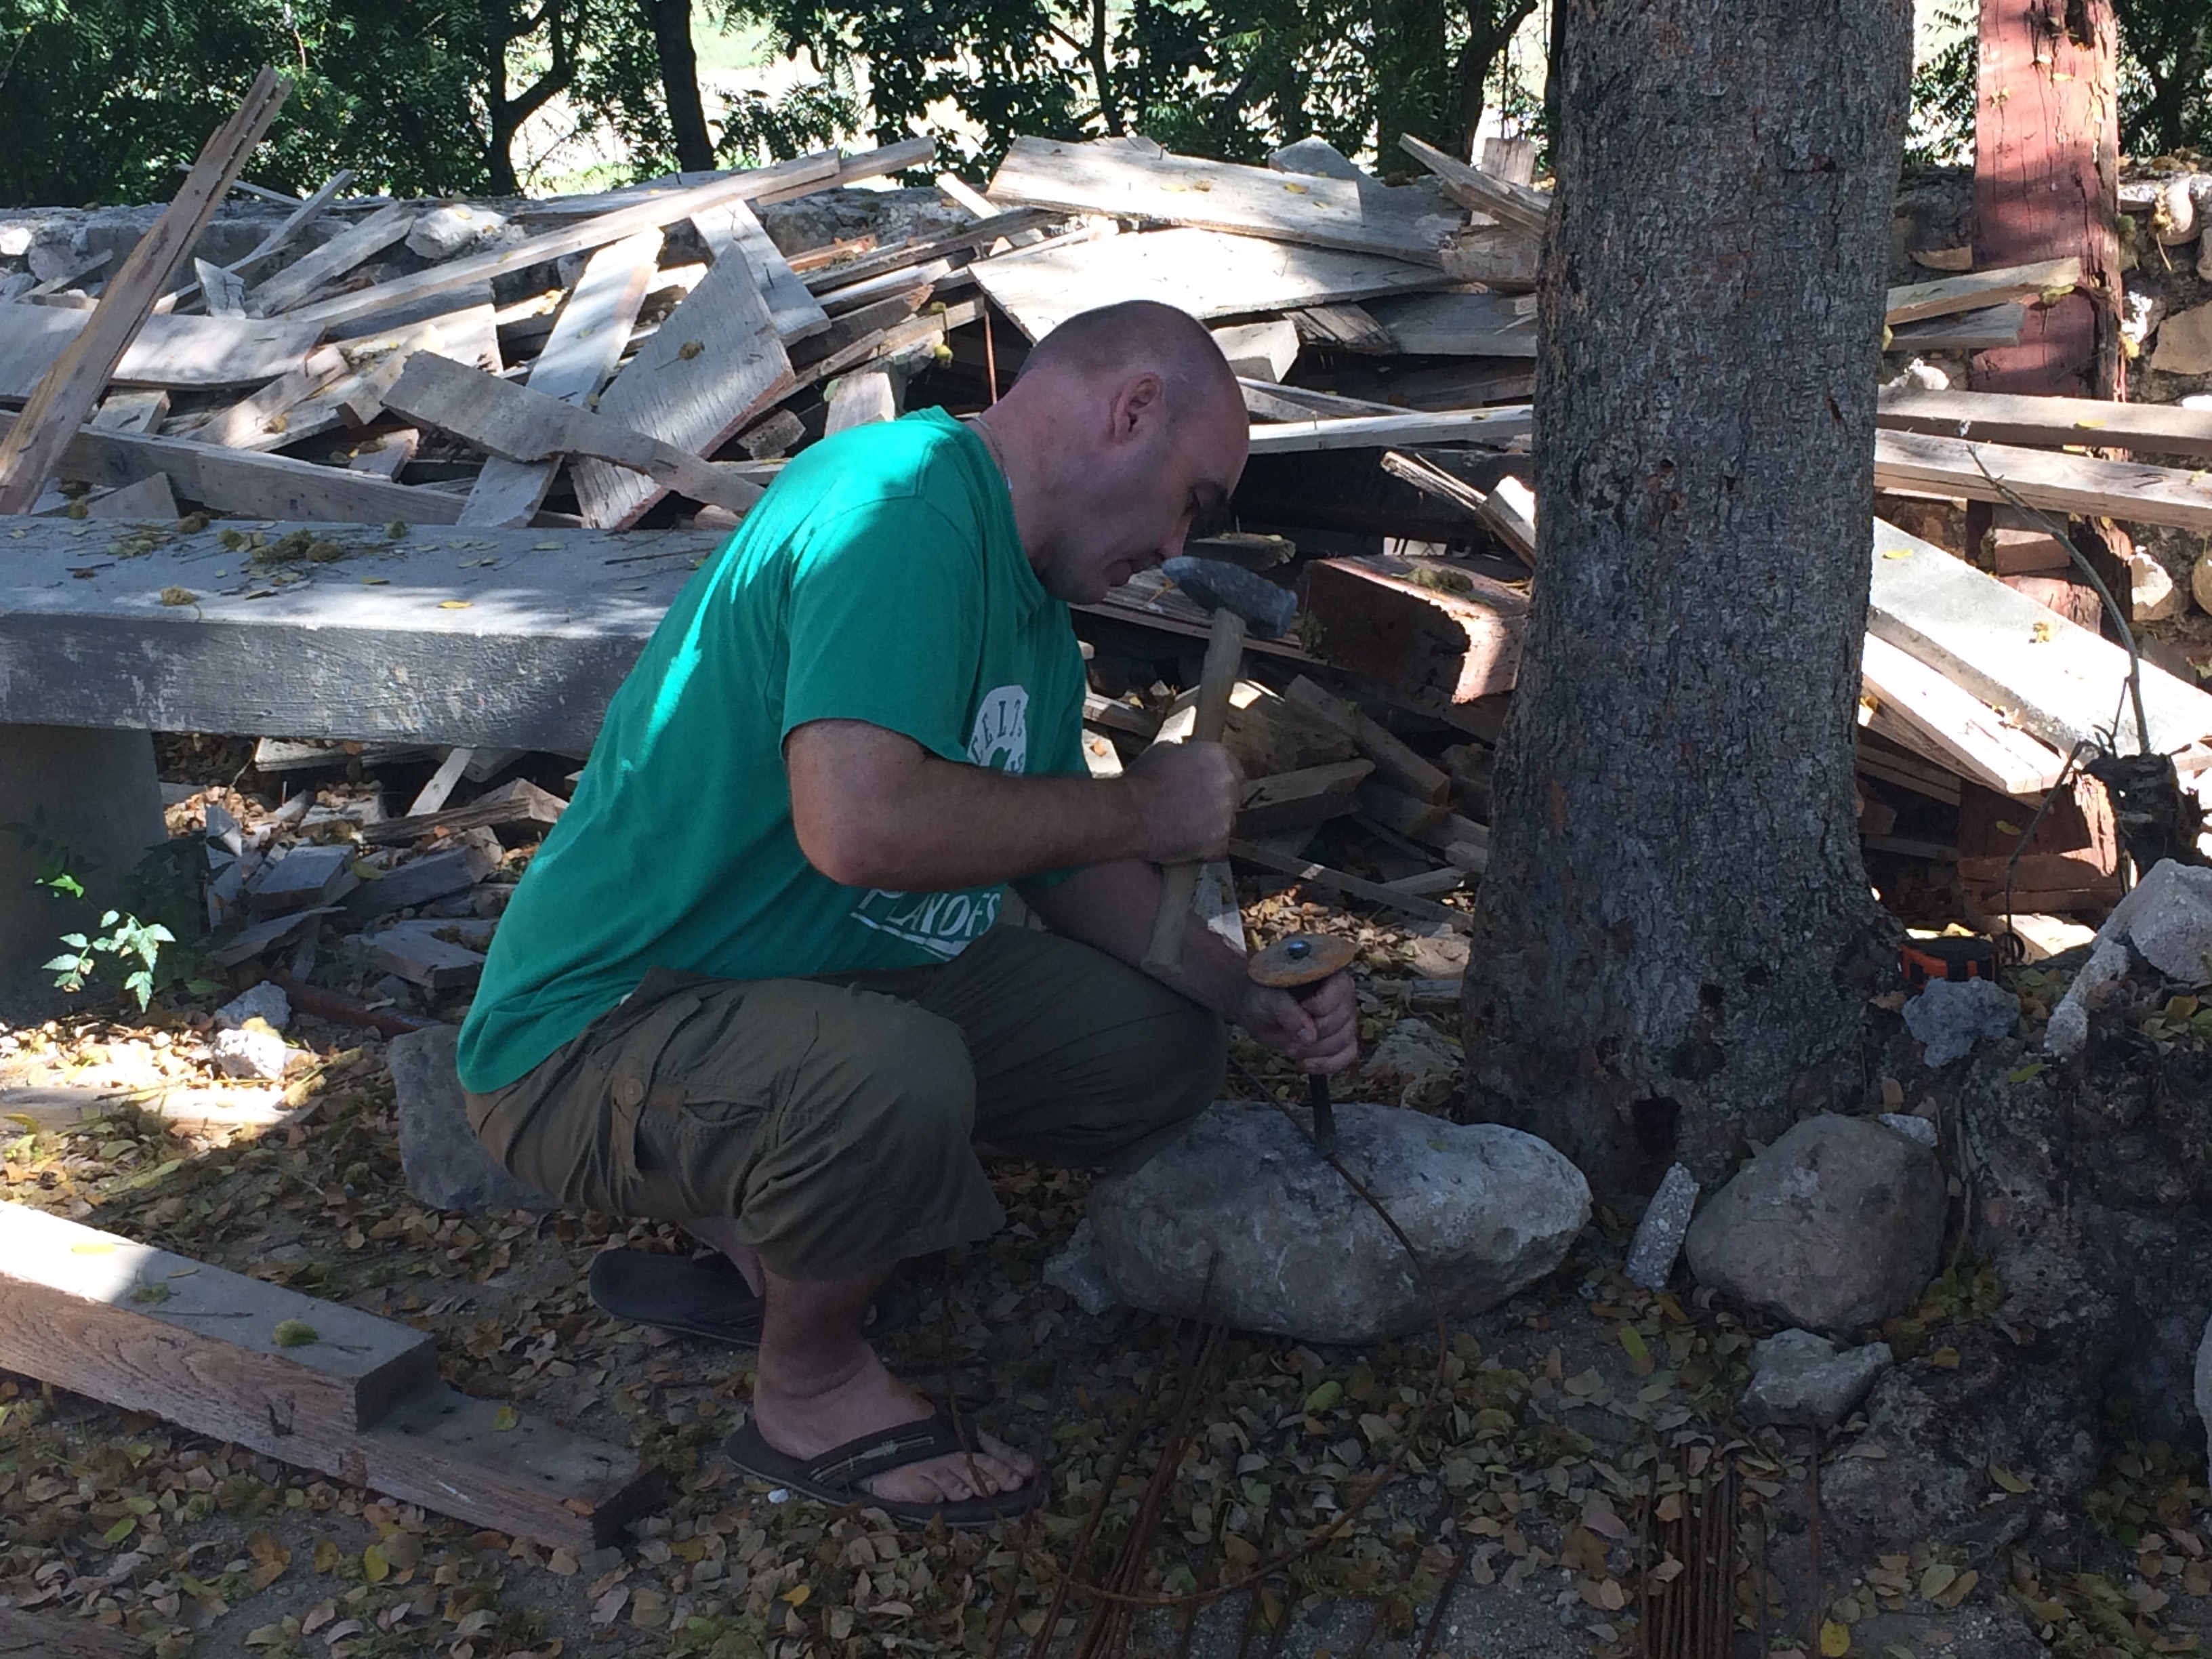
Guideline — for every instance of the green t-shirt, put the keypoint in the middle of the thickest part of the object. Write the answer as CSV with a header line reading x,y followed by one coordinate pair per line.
x,y
881,579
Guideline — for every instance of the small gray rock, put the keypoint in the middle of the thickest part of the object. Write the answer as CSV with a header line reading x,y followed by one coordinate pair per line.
x,y
1241,1220
1079,1269
265,1002
253,1052
443,232
1659,1234
1836,1226
1921,1129
1804,1379
446,1165
1950,1016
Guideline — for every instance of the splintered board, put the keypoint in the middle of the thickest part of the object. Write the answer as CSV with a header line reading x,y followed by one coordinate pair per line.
x,y
2130,491
710,369
1136,179
319,1385
1200,271
168,351
2058,680
239,480
1911,704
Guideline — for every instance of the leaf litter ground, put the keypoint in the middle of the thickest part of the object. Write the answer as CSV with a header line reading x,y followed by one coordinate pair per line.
x,y
1521,1468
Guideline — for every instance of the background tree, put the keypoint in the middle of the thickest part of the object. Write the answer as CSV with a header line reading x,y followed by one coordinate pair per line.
x,y
1675,941
2166,74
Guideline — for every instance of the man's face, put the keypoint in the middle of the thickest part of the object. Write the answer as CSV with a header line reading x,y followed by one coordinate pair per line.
x,y
1158,484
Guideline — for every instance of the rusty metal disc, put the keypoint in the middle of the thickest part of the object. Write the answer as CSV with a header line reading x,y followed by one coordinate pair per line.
x,y
1301,958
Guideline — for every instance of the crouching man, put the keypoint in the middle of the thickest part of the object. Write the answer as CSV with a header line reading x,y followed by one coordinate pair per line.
x,y
749,983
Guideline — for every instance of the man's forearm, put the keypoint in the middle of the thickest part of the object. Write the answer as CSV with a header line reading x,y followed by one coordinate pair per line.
x,y
1110,907
871,808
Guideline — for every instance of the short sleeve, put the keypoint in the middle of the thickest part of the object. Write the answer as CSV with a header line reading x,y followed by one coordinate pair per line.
x,y
886,622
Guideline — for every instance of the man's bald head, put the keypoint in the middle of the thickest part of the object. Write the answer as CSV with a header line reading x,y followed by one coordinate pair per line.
x,y
1135,336
1124,430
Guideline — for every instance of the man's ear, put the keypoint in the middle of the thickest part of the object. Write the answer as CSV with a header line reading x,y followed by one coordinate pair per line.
x,y
1139,405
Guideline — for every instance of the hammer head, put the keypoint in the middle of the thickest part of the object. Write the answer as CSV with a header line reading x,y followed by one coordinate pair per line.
x,y
1267,610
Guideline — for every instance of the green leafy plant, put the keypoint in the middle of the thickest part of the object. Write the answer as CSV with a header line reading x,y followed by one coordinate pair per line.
x,y
128,938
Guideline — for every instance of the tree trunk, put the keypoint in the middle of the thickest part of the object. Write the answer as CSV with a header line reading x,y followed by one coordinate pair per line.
x,y
1675,941
680,83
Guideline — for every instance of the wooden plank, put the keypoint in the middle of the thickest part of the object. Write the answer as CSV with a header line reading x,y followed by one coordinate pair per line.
x,y
1434,649
524,425
150,1331
652,212
169,352
359,1401
837,301
1202,271
1460,325
860,399
2131,491
1320,875
2046,142
258,486
304,277
1967,330
259,421
131,411
921,330
1516,207
908,256
2056,679
1349,326
297,220
855,327
2015,418
1915,706
1135,178
545,625
150,498
65,394
1913,302
1259,351
710,369
1496,427
587,341
1291,799
518,801
733,228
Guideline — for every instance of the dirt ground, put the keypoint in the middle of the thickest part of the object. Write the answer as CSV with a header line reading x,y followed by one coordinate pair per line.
x,y
1535,1464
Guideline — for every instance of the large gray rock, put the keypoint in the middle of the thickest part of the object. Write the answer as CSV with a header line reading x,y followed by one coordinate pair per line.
x,y
446,1165
1836,1226
2166,920
1805,1380
1241,1220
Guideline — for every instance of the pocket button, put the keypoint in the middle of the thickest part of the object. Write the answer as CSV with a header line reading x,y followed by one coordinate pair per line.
x,y
628,1091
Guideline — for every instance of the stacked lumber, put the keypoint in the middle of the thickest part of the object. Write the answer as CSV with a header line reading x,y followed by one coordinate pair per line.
x,y
646,359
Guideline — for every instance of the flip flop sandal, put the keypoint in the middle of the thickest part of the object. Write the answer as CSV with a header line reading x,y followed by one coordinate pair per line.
x,y
699,1296
837,1476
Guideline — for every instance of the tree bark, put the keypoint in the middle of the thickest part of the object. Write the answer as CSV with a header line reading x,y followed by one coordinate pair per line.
x,y
670,21
1675,941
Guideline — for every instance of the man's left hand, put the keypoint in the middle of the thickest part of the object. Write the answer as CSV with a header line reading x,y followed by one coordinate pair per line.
x,y
1320,1032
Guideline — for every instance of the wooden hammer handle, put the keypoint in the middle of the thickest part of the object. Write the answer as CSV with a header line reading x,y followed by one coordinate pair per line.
x,y
1225,647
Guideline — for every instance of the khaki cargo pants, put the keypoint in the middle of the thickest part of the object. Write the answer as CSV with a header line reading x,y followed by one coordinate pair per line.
x,y
835,1118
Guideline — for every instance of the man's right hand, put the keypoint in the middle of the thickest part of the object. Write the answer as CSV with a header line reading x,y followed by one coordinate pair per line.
x,y
1186,796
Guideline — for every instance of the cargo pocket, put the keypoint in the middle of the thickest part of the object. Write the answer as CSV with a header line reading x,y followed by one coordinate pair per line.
x,y
719,1075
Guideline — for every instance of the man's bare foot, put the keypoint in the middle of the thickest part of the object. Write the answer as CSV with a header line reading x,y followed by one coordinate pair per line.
x,y
802,1425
